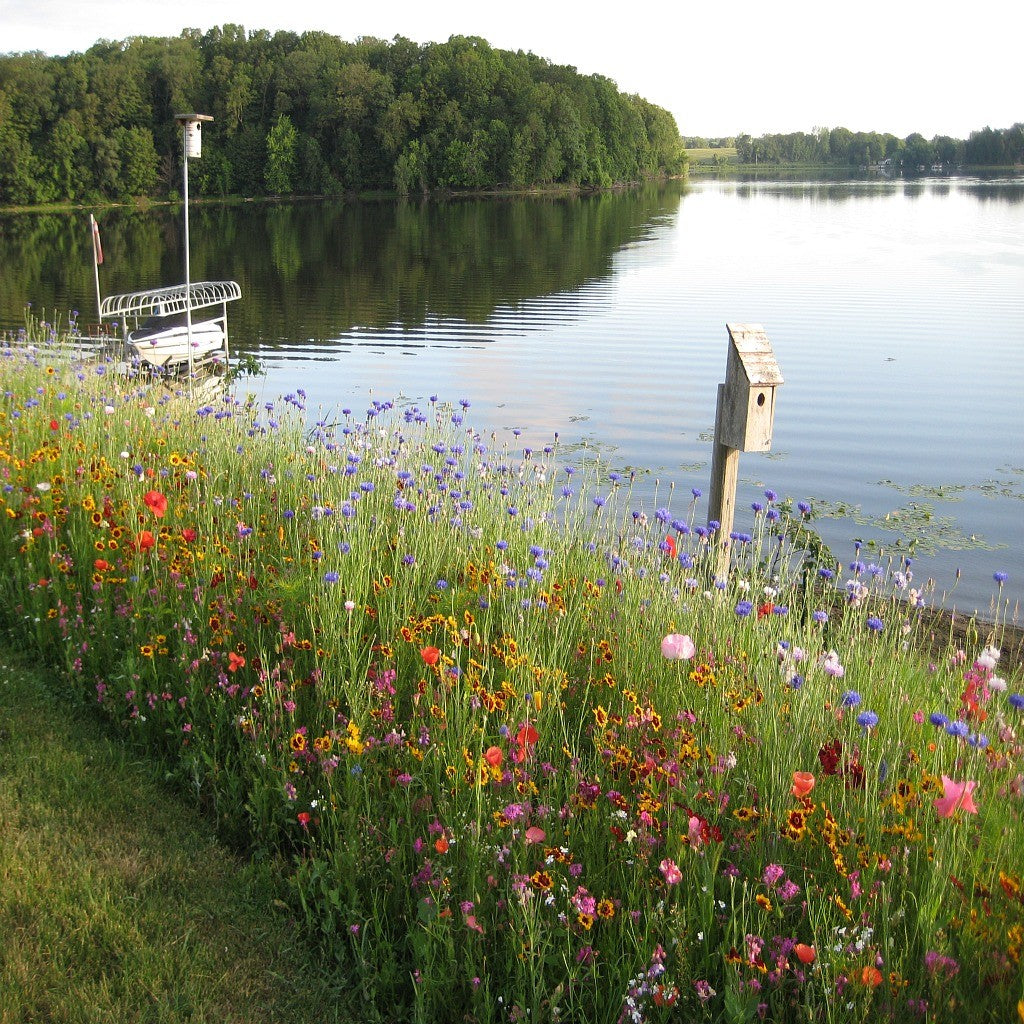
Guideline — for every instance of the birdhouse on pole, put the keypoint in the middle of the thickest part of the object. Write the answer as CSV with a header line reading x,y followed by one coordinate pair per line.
x,y
192,126
751,378
744,419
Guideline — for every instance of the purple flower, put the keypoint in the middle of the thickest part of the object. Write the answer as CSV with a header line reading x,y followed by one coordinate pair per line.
x,y
958,729
876,624
1017,701
938,719
1000,577
851,698
330,577
744,608
820,617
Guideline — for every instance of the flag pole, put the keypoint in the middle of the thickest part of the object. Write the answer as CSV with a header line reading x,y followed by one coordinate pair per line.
x,y
94,230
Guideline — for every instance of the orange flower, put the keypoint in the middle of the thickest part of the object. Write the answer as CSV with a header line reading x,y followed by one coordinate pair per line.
x,y
235,661
441,844
871,976
430,655
101,565
803,783
493,756
155,502
146,540
804,953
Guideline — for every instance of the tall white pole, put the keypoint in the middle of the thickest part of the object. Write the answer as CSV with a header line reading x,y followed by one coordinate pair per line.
x,y
188,269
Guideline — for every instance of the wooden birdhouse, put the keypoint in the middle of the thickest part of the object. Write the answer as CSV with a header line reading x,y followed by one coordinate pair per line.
x,y
752,377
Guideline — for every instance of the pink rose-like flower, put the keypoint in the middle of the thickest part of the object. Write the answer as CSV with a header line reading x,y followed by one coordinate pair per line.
x,y
678,647
955,794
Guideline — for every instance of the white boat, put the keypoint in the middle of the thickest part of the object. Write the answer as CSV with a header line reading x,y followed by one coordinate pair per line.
x,y
158,327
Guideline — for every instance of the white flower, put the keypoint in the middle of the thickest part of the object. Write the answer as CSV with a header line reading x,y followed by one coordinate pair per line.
x,y
43,485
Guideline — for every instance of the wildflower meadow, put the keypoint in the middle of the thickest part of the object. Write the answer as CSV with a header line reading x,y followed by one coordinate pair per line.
x,y
524,756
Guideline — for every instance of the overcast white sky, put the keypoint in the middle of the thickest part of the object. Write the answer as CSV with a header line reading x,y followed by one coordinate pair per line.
x,y
720,67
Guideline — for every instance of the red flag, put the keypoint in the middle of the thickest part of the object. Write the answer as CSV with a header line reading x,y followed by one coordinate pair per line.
x,y
96,245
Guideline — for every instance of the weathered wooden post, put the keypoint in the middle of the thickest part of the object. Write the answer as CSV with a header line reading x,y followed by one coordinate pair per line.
x,y
744,419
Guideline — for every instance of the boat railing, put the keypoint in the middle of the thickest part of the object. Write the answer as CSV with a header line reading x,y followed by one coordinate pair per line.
x,y
177,298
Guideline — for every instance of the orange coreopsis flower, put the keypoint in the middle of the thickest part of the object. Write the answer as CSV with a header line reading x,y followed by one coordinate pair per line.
x,y
803,783
155,502
431,655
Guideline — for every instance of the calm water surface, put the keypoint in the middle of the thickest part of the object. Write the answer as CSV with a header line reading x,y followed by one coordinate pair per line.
x,y
895,310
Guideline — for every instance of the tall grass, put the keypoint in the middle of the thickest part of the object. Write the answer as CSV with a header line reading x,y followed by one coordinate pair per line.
x,y
531,760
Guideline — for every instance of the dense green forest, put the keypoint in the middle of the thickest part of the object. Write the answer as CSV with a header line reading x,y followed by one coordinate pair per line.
x,y
839,147
314,114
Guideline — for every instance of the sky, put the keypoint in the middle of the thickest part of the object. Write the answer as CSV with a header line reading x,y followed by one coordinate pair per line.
x,y
896,66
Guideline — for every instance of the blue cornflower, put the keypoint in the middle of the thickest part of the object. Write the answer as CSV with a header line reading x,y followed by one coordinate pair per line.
x,y
858,567
501,545
851,698
441,584
804,507
938,719
744,608
599,501
958,728
867,720
1017,701
780,609
796,681
330,577
696,492
876,624
826,574
771,495
820,617
757,506
1000,577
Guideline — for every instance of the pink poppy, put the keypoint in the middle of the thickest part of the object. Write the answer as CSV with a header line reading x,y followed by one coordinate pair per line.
x,y
678,647
955,794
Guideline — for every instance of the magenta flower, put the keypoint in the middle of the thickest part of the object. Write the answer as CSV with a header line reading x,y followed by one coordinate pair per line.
x,y
678,647
956,795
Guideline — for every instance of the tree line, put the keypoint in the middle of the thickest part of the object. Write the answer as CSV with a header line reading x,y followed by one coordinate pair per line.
x,y
840,147
313,114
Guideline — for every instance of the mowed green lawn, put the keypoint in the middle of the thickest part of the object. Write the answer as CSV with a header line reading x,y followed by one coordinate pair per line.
x,y
116,903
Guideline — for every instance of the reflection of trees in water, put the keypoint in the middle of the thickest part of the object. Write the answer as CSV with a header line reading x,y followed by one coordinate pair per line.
x,y
313,270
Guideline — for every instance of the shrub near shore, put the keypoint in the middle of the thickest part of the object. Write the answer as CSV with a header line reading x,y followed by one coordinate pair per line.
x,y
530,761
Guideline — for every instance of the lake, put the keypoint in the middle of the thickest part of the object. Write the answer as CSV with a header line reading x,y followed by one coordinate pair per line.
x,y
895,309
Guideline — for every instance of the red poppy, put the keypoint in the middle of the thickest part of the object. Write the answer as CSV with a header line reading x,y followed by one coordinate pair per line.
x,y
235,661
54,425
155,502
188,535
805,954
146,540
765,609
101,565
871,976
670,545
431,655
303,817
527,736
441,844
493,756
803,783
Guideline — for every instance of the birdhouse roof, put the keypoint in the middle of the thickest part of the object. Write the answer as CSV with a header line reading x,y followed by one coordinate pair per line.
x,y
751,353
